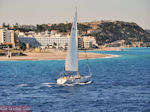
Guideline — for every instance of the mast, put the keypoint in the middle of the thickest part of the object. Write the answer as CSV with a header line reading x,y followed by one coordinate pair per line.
x,y
72,54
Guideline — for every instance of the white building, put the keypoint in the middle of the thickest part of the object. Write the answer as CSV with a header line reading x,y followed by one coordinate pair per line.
x,y
42,34
54,32
89,42
44,41
7,37
21,33
61,41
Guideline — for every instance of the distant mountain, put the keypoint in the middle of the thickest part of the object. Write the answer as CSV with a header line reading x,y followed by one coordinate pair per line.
x,y
119,33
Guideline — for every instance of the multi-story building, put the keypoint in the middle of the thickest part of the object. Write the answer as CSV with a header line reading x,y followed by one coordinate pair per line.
x,y
44,41
80,42
7,37
61,41
89,42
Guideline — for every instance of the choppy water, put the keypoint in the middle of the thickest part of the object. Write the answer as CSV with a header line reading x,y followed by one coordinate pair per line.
x,y
119,84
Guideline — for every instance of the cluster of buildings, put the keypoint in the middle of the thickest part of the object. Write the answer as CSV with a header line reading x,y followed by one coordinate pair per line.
x,y
54,39
47,39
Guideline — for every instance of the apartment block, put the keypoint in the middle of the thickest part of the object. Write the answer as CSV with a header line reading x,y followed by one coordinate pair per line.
x,y
89,42
61,41
7,37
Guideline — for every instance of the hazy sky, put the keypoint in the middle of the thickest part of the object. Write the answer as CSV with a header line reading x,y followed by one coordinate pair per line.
x,y
55,11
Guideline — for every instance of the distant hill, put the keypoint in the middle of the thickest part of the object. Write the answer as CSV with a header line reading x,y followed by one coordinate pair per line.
x,y
147,30
119,33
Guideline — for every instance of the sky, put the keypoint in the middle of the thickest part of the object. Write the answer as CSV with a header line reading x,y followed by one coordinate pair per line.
x,y
59,11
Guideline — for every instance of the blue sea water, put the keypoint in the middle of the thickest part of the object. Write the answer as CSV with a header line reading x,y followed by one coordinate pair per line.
x,y
119,84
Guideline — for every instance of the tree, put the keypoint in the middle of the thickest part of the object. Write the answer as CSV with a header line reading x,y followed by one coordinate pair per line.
x,y
16,24
22,46
55,44
4,24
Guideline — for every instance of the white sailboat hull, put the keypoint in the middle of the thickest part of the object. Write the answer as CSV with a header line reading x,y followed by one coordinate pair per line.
x,y
73,79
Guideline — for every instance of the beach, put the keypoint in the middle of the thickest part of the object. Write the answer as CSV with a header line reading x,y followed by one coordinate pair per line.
x,y
54,55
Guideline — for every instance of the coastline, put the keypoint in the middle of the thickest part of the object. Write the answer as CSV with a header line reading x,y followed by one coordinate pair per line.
x,y
106,49
57,55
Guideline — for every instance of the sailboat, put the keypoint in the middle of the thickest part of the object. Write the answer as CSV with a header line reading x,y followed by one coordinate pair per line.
x,y
71,73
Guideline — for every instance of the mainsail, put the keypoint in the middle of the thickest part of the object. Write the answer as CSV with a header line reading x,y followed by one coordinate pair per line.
x,y
72,54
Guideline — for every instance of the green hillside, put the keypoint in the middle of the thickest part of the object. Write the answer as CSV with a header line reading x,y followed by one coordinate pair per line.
x,y
108,32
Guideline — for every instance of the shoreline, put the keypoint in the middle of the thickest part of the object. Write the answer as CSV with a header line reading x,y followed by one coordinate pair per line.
x,y
54,56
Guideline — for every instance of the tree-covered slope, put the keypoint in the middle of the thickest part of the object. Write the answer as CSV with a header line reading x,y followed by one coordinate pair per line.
x,y
108,32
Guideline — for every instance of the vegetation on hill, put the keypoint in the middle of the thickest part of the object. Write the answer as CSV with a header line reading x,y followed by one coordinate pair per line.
x,y
61,27
108,32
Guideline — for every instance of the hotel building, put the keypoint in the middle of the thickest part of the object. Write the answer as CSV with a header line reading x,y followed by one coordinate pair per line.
x,y
44,41
89,42
61,41
7,37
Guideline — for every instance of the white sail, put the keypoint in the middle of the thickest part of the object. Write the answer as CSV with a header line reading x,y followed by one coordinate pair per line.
x,y
72,54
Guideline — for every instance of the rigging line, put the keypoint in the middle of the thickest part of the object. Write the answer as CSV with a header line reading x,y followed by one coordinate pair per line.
x,y
88,63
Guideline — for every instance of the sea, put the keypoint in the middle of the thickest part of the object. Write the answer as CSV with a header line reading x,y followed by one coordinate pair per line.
x,y
120,84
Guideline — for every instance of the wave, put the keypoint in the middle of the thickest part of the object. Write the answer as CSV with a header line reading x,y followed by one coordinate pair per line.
x,y
22,85
50,84
113,56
